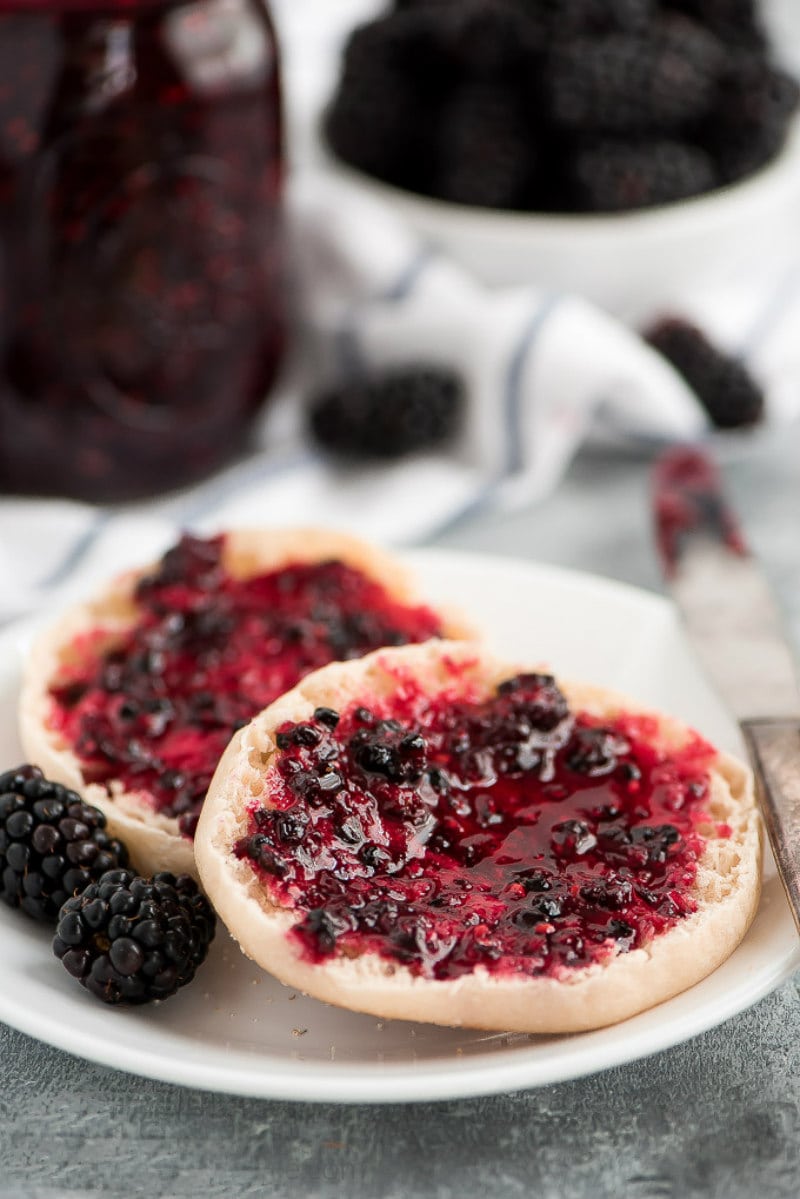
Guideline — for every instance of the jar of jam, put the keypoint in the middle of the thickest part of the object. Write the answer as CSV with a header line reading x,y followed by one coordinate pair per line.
x,y
141,252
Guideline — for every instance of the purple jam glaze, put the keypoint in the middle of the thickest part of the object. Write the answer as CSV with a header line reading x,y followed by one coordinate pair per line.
x,y
142,275
447,834
156,709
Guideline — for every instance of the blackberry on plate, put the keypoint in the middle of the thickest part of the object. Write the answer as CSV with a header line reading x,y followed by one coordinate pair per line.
x,y
390,414
131,940
52,844
721,382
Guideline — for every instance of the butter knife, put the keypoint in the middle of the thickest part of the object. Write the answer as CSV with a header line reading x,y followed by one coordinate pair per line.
x,y
734,626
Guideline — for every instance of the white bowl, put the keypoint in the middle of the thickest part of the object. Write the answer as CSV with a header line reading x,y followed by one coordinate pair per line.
x,y
632,264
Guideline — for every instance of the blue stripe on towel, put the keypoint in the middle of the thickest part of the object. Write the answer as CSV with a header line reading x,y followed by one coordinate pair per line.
x,y
513,391
513,405
405,282
75,553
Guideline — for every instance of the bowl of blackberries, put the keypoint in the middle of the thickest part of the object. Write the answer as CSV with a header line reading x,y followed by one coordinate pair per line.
x,y
621,148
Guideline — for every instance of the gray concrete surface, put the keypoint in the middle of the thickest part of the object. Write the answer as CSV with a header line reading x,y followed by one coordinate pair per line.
x,y
715,1118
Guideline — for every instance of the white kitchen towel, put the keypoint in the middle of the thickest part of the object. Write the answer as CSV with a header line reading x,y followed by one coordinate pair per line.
x,y
539,369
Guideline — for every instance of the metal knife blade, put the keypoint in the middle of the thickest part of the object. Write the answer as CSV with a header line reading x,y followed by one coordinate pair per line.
x,y
726,604
735,628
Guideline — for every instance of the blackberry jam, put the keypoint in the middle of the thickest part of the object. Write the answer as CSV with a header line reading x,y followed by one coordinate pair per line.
x,y
141,251
208,650
502,832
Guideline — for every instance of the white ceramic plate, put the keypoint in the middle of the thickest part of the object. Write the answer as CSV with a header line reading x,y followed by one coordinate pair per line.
x,y
237,1030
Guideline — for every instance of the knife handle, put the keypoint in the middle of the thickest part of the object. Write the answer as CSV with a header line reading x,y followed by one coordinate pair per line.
x,y
774,748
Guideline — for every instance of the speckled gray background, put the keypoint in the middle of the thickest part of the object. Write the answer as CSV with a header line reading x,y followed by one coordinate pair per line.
x,y
717,1118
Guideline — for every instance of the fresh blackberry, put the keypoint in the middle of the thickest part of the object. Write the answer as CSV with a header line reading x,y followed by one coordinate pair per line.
x,y
407,41
724,386
426,5
747,126
512,104
735,21
382,119
132,940
628,83
614,176
52,844
570,17
487,156
376,126
388,415
491,38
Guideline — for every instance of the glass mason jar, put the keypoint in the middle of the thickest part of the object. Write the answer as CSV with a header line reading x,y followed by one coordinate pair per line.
x,y
141,249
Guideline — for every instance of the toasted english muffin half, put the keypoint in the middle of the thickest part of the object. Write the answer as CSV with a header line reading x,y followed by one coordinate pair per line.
x,y
266,884
79,643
